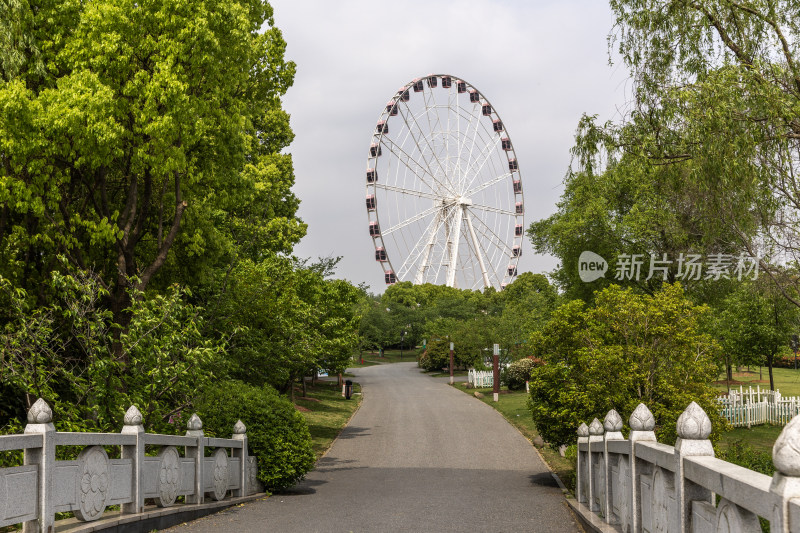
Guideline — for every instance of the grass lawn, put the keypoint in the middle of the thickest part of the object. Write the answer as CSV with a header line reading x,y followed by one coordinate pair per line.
x,y
513,405
389,356
787,380
326,412
761,438
447,374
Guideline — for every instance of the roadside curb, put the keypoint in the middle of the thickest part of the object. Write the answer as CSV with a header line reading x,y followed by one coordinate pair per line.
x,y
568,496
347,423
587,519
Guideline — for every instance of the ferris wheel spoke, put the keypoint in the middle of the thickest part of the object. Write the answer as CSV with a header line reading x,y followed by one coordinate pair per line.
x,y
424,264
405,115
486,152
432,229
410,192
418,216
494,209
471,148
406,159
490,183
477,120
430,109
489,233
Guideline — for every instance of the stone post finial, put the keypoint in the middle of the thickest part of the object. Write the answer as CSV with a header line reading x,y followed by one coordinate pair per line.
x,y
194,426
694,423
642,423
40,413
133,417
786,450
613,425
694,427
583,430
194,423
642,419
595,428
239,428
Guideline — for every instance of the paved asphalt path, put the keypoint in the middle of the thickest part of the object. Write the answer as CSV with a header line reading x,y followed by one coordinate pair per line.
x,y
417,456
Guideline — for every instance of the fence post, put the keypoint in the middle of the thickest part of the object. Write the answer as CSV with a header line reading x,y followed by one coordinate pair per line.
x,y
240,433
693,427
613,426
583,437
786,481
40,420
642,424
133,426
596,446
195,429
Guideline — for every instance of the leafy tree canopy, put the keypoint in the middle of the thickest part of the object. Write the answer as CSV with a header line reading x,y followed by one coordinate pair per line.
x,y
625,349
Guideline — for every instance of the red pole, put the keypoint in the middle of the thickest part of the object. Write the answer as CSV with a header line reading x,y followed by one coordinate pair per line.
x,y
451,364
496,372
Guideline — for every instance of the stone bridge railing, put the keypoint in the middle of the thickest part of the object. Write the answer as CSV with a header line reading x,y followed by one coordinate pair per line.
x,y
637,484
192,466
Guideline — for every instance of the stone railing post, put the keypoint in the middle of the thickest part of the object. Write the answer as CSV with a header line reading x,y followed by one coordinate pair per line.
x,y
195,429
40,420
642,424
786,480
596,451
133,426
613,426
693,427
240,433
580,483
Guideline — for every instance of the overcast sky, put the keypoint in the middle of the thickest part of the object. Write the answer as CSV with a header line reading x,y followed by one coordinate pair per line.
x,y
541,63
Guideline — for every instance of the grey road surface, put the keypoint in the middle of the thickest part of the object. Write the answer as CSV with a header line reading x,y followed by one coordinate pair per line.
x,y
417,456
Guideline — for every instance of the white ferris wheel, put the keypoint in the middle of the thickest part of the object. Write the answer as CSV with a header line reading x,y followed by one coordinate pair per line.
x,y
444,192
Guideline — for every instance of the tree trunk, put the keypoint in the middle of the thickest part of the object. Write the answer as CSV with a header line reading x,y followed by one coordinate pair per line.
x,y
304,386
769,365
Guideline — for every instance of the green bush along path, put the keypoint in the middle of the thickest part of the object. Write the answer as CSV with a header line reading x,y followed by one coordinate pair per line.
x,y
416,456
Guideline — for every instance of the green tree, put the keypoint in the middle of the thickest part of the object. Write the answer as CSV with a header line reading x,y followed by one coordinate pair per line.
x,y
717,89
120,141
627,348
754,324
290,320
61,352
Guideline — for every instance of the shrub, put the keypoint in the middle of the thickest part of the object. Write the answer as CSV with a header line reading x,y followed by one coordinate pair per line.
x,y
424,361
742,454
277,434
626,349
437,356
519,372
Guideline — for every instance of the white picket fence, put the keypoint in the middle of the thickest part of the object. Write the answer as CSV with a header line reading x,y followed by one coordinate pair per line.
x,y
751,407
480,378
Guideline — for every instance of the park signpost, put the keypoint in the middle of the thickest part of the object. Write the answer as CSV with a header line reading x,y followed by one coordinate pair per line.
x,y
451,364
496,372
